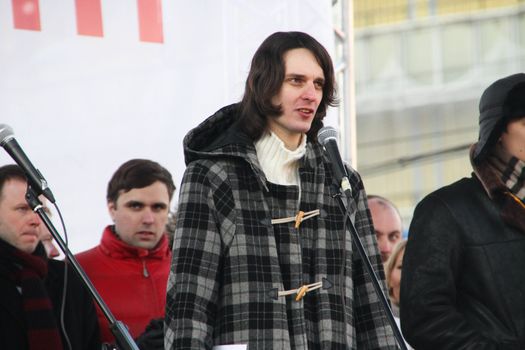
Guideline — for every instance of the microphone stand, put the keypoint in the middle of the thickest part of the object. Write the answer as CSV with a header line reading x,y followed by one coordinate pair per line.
x,y
366,262
119,330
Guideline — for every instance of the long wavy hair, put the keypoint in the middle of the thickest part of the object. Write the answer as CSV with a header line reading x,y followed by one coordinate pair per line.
x,y
266,77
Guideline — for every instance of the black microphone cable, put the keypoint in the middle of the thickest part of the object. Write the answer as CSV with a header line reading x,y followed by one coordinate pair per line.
x,y
64,293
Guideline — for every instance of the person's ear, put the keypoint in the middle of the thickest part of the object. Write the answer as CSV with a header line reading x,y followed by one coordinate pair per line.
x,y
112,207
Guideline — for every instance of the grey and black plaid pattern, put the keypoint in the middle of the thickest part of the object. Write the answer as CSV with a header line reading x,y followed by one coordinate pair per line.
x,y
229,261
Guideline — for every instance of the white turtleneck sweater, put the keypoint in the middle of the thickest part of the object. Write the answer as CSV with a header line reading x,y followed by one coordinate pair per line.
x,y
279,164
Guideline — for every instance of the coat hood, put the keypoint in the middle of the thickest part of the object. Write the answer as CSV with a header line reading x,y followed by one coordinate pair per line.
x,y
220,137
494,108
217,136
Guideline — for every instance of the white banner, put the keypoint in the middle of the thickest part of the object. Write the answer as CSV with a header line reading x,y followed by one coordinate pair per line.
x,y
88,84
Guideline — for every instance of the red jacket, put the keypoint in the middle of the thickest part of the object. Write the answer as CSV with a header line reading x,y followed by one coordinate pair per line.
x,y
132,281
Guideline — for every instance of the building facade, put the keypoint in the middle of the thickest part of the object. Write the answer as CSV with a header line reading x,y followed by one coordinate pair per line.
x,y
420,68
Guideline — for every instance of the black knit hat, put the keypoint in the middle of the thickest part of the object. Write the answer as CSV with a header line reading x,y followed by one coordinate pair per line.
x,y
501,102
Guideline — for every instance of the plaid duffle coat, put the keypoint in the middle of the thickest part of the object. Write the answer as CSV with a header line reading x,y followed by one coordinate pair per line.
x,y
230,262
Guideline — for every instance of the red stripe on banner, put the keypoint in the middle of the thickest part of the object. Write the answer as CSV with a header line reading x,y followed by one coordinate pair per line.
x,y
89,17
150,21
26,14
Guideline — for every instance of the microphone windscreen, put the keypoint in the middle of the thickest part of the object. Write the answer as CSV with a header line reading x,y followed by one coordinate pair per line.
x,y
326,133
6,134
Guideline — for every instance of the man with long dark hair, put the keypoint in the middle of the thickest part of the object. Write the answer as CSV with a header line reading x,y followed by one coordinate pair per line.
x,y
260,256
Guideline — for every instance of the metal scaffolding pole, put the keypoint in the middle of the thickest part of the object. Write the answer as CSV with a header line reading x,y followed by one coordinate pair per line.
x,y
344,36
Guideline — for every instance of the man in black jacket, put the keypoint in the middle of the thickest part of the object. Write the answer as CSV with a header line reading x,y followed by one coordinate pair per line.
x,y
33,288
463,280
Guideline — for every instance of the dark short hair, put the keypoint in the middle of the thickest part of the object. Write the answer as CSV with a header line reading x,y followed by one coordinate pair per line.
x,y
138,173
10,172
266,77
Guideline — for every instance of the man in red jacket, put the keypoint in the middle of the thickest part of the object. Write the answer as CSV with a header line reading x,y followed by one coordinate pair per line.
x,y
130,266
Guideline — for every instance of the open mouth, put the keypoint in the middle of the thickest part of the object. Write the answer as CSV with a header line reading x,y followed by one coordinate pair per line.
x,y
306,110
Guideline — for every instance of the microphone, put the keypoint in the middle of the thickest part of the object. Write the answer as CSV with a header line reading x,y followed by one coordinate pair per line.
x,y
327,136
34,178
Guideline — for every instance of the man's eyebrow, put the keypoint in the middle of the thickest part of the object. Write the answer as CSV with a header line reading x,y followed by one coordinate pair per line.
x,y
133,201
137,202
295,75
303,76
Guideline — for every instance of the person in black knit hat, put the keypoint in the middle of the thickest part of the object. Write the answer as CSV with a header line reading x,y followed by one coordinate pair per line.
x,y
463,281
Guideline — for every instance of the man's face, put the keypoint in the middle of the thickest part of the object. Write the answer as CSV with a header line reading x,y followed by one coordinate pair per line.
x,y
140,215
300,95
47,242
513,138
45,236
19,225
387,225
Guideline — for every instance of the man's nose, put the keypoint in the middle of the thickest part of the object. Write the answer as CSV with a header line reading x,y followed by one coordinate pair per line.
x,y
148,217
310,93
385,246
34,219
